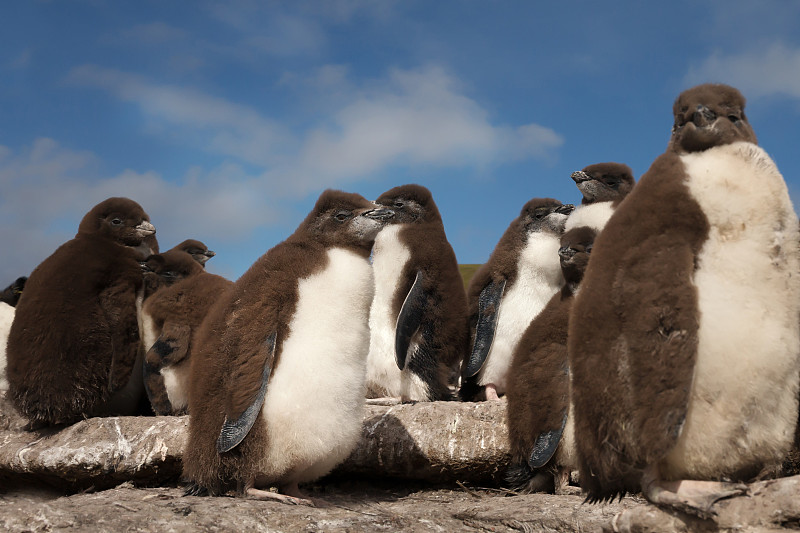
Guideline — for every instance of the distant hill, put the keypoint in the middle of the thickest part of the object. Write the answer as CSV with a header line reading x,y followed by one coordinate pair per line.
x,y
467,271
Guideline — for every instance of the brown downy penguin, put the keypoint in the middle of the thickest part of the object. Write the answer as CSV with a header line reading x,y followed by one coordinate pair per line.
x,y
277,386
418,318
540,428
72,349
603,186
171,316
683,340
508,291
198,250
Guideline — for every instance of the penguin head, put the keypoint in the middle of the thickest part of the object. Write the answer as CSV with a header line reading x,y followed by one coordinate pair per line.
x,y
347,220
411,204
604,182
119,219
12,293
197,249
709,115
576,245
165,269
544,215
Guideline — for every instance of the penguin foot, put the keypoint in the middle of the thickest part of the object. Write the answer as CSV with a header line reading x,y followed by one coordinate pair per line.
x,y
195,490
258,494
491,392
691,496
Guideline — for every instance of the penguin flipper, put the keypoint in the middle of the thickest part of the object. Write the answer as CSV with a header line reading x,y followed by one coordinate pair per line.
x,y
409,320
546,444
236,426
171,348
488,306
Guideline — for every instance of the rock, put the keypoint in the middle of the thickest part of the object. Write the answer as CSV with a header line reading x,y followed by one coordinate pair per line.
x,y
439,442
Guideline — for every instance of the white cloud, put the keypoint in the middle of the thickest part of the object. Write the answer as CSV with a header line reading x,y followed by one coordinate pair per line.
x,y
773,70
227,128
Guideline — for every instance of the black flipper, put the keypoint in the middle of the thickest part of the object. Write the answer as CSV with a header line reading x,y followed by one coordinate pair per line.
x,y
546,445
488,306
234,432
408,320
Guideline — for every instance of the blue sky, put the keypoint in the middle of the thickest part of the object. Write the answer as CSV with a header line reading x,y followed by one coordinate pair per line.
x,y
225,120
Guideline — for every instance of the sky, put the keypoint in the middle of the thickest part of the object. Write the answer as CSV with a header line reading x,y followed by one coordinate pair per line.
x,y
226,120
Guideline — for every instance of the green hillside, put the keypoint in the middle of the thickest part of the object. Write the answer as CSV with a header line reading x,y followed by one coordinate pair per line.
x,y
467,271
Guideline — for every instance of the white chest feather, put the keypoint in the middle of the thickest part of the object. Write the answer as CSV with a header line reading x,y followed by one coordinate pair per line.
x,y
390,256
594,216
743,405
538,279
6,318
314,403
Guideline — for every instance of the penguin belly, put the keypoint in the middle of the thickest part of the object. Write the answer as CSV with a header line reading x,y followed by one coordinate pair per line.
x,y
6,318
539,278
389,259
313,409
743,404
176,383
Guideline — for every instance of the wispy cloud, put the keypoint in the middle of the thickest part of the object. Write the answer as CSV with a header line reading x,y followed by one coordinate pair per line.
x,y
768,71
410,117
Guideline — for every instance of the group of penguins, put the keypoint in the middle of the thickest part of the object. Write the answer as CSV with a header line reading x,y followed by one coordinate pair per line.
x,y
648,339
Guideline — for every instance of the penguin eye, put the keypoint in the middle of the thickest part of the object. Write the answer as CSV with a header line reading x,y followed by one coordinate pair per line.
x,y
341,216
116,222
734,118
398,204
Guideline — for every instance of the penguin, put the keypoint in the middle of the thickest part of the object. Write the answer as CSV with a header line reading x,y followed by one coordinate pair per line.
x,y
418,318
8,300
538,415
172,314
198,250
603,186
276,389
11,294
683,340
509,290
73,345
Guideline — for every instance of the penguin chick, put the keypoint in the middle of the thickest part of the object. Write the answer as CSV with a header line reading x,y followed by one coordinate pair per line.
x,y
603,186
12,293
198,250
72,349
540,424
277,384
172,315
509,290
418,318
683,340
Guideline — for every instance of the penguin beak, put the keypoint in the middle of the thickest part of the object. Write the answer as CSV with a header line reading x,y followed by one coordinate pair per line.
x,y
566,253
145,228
565,209
145,267
703,116
209,254
381,214
580,176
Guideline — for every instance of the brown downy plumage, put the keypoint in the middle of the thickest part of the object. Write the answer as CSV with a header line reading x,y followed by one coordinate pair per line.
x,y
75,339
527,252
277,384
538,387
172,315
419,318
689,255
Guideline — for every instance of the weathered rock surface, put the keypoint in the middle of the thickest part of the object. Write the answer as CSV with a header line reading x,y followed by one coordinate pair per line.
x,y
439,442
379,488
